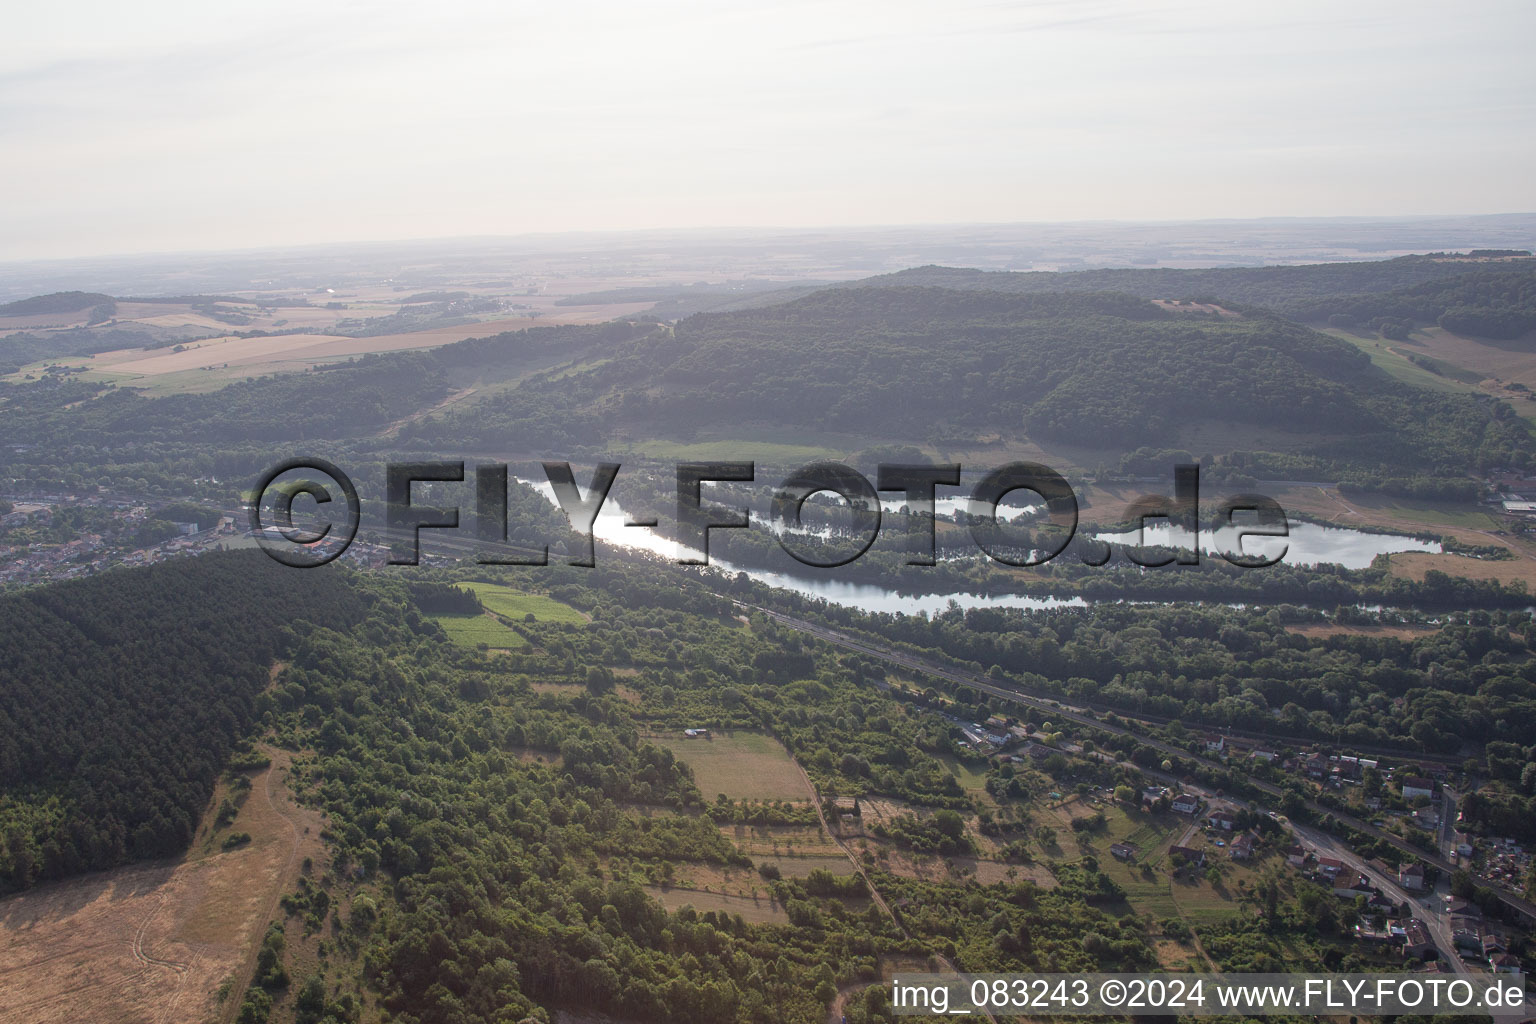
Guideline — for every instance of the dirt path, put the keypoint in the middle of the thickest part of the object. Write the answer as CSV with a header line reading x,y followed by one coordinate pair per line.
x,y
840,1001
151,943
1194,939
1504,542
458,396
853,859
231,1008
142,954
835,1012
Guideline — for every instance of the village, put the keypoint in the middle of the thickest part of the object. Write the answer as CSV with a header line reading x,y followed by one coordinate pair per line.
x,y
49,537
1448,921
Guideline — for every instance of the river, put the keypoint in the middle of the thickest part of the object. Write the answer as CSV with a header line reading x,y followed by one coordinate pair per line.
x,y
1308,544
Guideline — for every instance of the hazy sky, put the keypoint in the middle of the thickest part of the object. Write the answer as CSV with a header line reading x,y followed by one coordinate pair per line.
x,y
172,125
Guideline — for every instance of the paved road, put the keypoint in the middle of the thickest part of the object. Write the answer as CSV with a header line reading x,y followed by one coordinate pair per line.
x,y
1049,705
1447,821
1426,907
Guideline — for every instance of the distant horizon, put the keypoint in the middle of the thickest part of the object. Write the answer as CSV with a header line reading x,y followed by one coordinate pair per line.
x,y
598,233
187,127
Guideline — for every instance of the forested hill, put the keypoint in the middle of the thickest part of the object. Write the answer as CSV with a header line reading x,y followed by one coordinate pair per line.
x,y
356,398
124,695
55,302
1261,286
1488,303
1104,371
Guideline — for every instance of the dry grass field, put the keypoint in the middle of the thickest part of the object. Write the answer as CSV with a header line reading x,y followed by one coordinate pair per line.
x,y
1415,564
153,943
762,909
743,766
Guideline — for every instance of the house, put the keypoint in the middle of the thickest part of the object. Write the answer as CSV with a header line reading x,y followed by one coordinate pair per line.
x,y
1381,936
1316,766
1463,908
1191,856
1493,944
1222,819
1330,866
1380,903
1296,856
1411,877
1463,843
1417,943
1215,744
1123,851
997,723
1347,888
1467,936
1184,803
1415,786
1267,756
1242,847
1505,963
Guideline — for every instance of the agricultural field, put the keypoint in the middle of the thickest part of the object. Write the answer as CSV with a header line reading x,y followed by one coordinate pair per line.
x,y
155,942
796,850
480,630
202,352
971,776
742,765
517,606
1392,357
762,909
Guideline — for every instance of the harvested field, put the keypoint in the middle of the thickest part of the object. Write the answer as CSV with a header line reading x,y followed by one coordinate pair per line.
x,y
152,943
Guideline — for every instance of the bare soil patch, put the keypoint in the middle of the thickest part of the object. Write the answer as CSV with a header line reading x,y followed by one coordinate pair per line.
x,y
152,943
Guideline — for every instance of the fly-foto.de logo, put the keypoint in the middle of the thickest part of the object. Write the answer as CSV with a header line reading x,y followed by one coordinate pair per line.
x,y
329,488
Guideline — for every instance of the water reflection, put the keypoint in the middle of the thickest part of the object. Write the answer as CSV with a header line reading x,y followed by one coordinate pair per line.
x,y
1309,544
